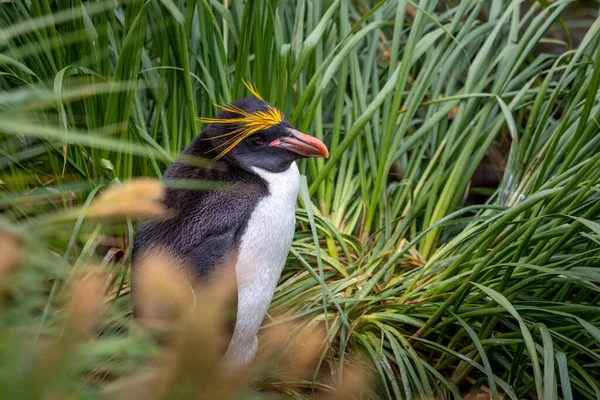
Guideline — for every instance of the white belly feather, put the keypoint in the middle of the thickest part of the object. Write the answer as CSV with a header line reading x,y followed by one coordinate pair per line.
x,y
261,257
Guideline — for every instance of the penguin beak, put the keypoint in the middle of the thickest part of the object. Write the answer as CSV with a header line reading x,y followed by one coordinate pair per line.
x,y
302,144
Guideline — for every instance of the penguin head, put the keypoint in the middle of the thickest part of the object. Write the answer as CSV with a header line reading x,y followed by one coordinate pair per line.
x,y
252,133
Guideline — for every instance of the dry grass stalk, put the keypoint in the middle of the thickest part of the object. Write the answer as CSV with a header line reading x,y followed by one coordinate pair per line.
x,y
192,318
162,288
53,356
355,382
414,258
303,350
482,393
85,302
10,248
140,197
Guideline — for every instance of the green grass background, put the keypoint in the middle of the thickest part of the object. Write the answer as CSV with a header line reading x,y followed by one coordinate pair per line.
x,y
443,295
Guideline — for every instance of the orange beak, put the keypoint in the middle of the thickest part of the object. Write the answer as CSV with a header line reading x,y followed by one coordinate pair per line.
x,y
302,144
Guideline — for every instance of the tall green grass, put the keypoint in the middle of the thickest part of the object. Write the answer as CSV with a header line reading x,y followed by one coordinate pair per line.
x,y
442,296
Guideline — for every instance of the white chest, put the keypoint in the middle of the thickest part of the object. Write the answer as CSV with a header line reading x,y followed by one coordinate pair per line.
x,y
261,257
269,233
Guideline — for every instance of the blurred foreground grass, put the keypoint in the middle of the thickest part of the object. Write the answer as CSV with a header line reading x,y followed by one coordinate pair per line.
x,y
394,257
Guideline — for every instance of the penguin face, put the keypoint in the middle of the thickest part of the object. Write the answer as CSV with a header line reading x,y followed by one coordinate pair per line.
x,y
273,149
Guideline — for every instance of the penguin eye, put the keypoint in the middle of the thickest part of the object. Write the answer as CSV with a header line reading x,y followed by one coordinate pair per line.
x,y
259,141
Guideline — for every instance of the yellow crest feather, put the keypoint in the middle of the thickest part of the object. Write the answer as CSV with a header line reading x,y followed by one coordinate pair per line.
x,y
252,89
247,123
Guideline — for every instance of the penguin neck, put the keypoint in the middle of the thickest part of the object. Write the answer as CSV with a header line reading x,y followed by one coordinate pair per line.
x,y
285,183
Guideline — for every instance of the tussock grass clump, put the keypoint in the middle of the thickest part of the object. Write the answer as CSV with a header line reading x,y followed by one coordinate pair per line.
x,y
396,257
